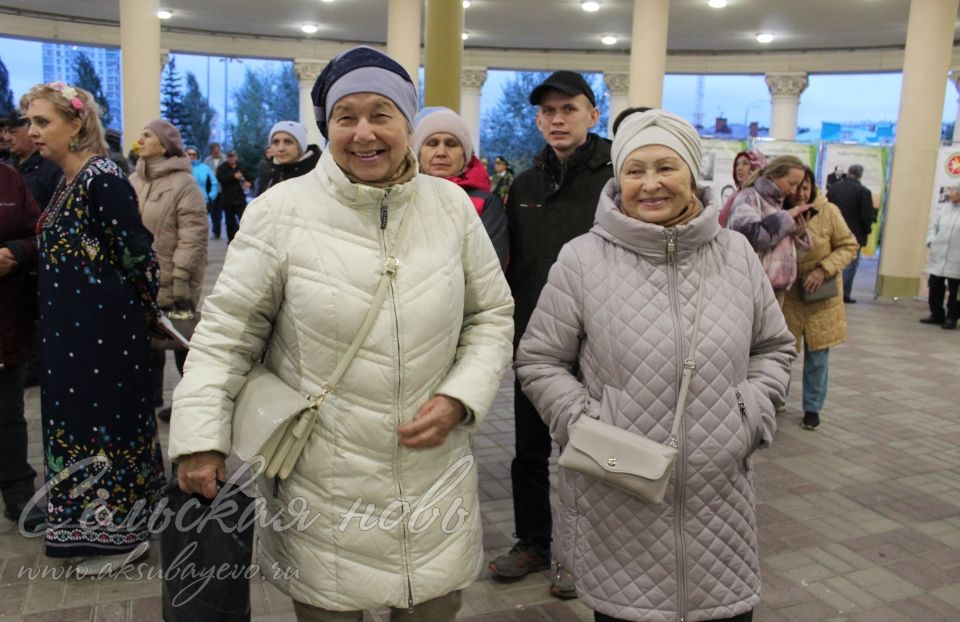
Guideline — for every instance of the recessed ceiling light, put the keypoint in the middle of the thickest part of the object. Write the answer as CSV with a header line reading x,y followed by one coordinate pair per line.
x,y
765,37
464,36
466,4
164,14
309,28
590,7
608,40
717,4
326,0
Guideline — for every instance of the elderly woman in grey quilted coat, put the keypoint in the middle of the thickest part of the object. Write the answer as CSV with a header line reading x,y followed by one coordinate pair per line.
x,y
608,340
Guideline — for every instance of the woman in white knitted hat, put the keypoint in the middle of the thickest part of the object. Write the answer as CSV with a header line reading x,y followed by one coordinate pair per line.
x,y
444,148
611,338
291,155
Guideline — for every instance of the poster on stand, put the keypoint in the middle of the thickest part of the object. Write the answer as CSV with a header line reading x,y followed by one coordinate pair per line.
x,y
837,158
775,148
716,169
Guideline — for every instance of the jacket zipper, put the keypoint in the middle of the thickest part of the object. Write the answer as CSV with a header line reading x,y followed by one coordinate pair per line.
x,y
673,286
384,215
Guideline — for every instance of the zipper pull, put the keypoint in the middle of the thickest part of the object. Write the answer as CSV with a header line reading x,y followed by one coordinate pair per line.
x,y
671,246
743,408
383,209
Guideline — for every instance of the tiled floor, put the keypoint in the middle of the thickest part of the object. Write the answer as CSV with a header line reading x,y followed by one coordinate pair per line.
x,y
860,520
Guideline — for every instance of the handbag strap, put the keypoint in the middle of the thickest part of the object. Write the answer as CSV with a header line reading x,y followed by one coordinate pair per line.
x,y
689,363
390,266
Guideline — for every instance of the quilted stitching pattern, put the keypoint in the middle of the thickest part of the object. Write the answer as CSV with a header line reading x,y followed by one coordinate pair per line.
x,y
609,308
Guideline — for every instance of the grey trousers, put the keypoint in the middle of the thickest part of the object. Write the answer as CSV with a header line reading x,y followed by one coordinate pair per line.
x,y
441,609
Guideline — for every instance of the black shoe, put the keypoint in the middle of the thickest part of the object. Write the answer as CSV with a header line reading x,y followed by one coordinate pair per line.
x,y
949,324
931,319
849,301
525,557
811,421
34,522
164,414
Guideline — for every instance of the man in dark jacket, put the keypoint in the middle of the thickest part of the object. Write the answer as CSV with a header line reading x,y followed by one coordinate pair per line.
x,y
233,183
856,204
18,254
549,204
41,175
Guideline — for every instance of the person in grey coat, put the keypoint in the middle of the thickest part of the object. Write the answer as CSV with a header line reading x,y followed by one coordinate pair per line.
x,y
608,340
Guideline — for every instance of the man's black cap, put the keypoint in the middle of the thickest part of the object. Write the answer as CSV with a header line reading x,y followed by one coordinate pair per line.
x,y
569,82
13,119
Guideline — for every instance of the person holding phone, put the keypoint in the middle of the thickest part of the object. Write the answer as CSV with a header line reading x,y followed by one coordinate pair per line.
x,y
818,324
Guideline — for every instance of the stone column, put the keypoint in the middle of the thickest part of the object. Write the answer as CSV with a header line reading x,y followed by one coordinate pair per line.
x,y
403,35
443,53
140,69
648,52
307,72
785,90
471,83
926,61
955,79
619,86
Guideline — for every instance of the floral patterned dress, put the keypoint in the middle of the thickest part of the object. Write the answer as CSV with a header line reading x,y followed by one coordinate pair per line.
x,y
98,284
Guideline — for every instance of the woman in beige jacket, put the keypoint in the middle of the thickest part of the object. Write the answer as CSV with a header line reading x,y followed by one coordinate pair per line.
x,y
819,324
174,210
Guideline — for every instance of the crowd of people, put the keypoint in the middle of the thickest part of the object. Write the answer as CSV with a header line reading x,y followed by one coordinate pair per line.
x,y
604,272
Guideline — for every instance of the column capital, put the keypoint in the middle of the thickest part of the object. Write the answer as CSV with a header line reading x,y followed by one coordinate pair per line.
x,y
307,70
473,78
617,83
787,85
164,59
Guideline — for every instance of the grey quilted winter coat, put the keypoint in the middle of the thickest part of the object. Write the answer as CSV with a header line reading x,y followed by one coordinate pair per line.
x,y
619,306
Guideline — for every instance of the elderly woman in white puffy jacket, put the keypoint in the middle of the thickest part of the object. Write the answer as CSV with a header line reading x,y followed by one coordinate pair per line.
x,y
943,267
296,284
609,340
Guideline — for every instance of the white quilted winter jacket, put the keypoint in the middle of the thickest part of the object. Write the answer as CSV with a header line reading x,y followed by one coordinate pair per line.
x,y
297,281
619,306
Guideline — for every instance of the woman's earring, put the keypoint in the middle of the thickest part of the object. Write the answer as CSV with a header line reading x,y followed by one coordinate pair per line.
x,y
74,145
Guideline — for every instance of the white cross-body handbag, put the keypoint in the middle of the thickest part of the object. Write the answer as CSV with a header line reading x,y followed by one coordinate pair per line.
x,y
274,420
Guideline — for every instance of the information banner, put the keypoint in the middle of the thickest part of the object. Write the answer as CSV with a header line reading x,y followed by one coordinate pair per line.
x,y
716,168
837,158
775,148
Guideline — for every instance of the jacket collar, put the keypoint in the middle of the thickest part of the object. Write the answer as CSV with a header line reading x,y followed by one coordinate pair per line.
x,y
474,176
332,177
647,239
156,169
768,190
593,153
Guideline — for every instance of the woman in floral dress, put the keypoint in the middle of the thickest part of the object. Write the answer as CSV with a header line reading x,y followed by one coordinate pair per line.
x,y
98,287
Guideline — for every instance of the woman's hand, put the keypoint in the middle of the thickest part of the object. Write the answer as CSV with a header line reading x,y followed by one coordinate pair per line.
x,y
199,473
799,210
432,423
814,280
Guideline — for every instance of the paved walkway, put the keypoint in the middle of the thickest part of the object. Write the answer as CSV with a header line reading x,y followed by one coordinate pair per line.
x,y
859,521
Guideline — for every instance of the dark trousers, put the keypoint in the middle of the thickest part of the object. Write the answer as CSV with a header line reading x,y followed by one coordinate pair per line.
x,y
940,286
16,474
233,212
215,209
157,364
743,617
529,471
849,273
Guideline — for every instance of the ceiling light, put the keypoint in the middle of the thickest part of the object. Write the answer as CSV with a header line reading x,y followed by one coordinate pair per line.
x,y
765,37
717,4
162,14
608,40
466,4
464,36
309,28
590,7
326,0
